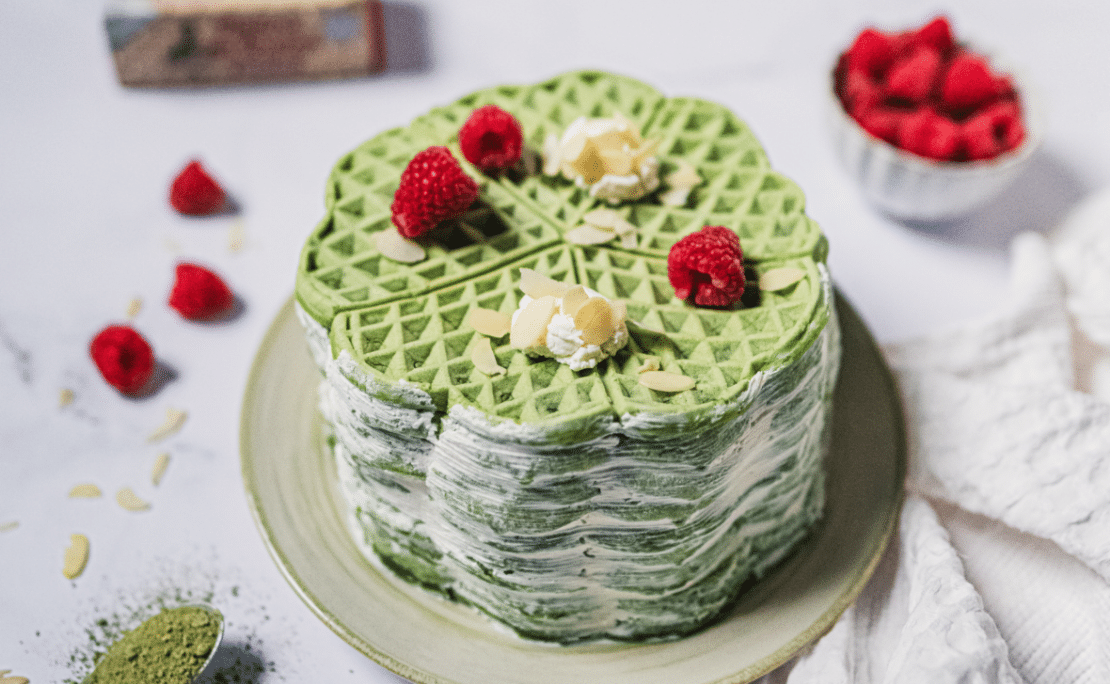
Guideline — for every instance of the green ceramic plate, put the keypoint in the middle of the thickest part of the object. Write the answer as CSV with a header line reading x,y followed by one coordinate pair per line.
x,y
293,494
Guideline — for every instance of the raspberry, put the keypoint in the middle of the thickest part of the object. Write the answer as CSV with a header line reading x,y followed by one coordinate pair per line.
x,y
993,131
860,93
871,53
199,294
710,265
930,134
967,83
123,357
491,138
937,34
913,77
194,192
433,188
883,122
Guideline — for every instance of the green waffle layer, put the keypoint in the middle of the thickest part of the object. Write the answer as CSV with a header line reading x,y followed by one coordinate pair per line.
x,y
528,493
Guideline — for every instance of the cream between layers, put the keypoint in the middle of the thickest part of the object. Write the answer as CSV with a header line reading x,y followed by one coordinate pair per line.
x,y
571,570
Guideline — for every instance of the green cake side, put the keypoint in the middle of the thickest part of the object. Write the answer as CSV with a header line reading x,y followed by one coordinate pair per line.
x,y
574,505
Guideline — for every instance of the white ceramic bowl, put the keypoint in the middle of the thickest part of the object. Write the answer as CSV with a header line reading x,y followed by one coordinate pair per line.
x,y
911,187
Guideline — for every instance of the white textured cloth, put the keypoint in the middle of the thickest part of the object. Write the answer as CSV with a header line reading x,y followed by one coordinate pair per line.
x,y
1001,568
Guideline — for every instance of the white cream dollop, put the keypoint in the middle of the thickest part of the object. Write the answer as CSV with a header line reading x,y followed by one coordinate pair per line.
x,y
606,156
564,342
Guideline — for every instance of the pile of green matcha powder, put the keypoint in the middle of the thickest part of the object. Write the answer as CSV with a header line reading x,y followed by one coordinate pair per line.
x,y
169,648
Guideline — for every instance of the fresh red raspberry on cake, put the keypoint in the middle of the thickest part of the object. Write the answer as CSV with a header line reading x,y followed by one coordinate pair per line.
x,y
709,265
195,193
198,294
491,138
433,188
124,358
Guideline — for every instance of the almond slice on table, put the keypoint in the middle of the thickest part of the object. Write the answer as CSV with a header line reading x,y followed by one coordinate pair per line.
x,y
393,246
65,397
130,501
9,525
489,322
84,491
4,679
651,363
530,328
537,285
175,418
665,381
76,557
587,234
483,358
595,320
780,278
159,469
573,300
134,307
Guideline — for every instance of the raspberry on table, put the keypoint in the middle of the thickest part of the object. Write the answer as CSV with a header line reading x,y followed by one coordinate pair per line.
x,y
198,294
491,138
433,188
195,193
709,265
124,358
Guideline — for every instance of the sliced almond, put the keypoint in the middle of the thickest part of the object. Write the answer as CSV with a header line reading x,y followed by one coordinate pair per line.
x,y
129,500
645,150
685,176
675,197
536,285
665,381
134,307
483,358
65,397
393,246
530,328
236,236
77,555
586,234
616,161
595,320
622,227
159,469
9,525
651,363
489,322
780,278
620,311
552,159
84,491
573,300
175,418
602,218
13,680
629,241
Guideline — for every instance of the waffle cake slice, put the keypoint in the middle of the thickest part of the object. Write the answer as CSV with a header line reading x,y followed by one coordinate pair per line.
x,y
574,505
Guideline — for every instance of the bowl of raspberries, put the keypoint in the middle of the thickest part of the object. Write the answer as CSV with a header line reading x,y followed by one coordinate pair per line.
x,y
930,127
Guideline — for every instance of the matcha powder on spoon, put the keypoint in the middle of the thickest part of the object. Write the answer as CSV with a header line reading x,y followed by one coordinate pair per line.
x,y
170,648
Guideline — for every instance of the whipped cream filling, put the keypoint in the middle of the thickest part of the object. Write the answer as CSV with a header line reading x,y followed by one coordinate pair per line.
x,y
634,531
564,341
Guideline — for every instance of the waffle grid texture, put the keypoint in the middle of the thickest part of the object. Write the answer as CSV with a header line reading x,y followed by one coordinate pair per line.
x,y
574,505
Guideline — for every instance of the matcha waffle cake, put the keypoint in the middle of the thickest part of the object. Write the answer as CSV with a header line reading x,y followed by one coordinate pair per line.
x,y
574,502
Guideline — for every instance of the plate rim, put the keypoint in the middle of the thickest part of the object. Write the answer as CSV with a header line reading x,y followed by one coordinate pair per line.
x,y
852,327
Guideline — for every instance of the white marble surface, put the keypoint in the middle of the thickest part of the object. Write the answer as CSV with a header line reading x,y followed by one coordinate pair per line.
x,y
84,171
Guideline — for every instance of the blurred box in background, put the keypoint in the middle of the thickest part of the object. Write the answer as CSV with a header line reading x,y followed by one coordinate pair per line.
x,y
182,43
